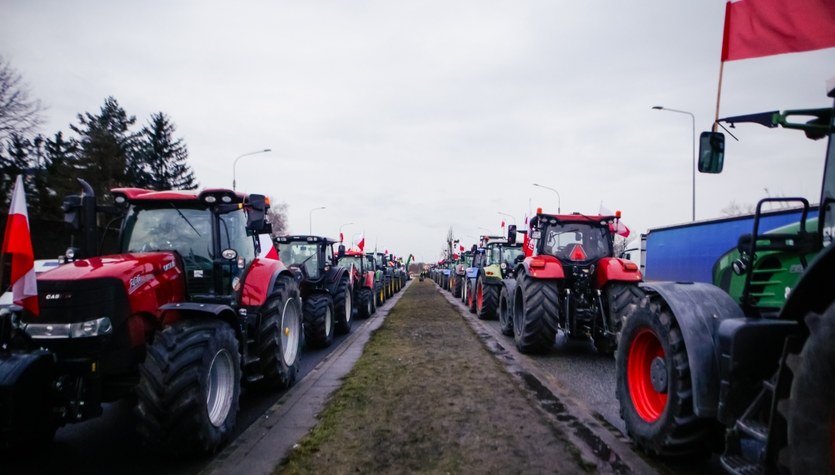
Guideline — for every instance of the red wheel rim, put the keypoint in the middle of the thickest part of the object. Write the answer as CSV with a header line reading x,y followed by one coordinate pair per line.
x,y
470,297
480,296
645,347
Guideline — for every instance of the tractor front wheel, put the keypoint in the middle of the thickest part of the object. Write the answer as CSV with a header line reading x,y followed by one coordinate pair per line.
x,y
343,303
487,300
280,334
654,387
811,415
505,312
189,387
318,320
365,303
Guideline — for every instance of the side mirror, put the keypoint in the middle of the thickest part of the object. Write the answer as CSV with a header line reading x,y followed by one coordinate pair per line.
x,y
256,219
711,152
340,251
511,234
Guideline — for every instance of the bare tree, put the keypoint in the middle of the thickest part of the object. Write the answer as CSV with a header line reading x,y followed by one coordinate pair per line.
x,y
277,216
19,113
737,209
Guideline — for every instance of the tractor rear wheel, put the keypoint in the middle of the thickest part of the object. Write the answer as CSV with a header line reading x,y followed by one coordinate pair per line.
x,y
505,313
457,284
620,298
471,301
343,303
365,302
536,312
318,320
811,414
487,300
654,387
189,387
280,335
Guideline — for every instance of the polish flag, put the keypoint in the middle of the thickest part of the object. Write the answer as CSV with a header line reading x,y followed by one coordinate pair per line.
x,y
268,249
361,243
621,229
341,238
18,242
502,224
461,248
756,28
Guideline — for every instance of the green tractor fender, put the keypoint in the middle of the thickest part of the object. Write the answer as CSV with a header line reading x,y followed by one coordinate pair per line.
x,y
699,309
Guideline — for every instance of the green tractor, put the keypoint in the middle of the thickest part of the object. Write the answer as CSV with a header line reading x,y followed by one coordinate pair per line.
x,y
752,374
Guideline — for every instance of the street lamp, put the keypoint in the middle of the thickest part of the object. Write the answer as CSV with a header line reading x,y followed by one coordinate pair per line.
x,y
509,216
235,163
693,120
555,191
340,230
310,218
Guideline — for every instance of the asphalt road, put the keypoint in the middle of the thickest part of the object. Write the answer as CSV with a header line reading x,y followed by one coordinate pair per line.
x,y
109,444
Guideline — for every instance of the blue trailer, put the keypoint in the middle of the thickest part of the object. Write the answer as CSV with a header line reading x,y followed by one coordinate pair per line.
x,y
687,252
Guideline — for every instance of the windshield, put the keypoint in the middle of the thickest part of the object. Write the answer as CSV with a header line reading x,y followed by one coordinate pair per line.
x,y
509,254
576,241
299,254
185,230
347,261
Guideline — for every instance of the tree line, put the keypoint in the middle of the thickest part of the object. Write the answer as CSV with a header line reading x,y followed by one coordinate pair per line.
x,y
107,149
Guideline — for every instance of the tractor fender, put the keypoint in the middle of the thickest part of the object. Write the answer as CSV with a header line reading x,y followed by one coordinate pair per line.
x,y
25,381
259,281
545,267
613,268
369,280
813,292
492,274
699,308
335,274
173,312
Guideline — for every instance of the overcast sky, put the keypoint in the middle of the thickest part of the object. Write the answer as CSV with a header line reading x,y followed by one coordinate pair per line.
x,y
408,118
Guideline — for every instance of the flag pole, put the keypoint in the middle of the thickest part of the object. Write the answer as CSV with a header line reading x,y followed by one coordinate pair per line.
x,y
718,96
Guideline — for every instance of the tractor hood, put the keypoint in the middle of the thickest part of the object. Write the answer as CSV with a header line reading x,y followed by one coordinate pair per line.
x,y
124,267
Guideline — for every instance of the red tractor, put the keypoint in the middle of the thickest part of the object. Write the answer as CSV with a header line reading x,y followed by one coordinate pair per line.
x,y
178,319
325,287
572,284
362,273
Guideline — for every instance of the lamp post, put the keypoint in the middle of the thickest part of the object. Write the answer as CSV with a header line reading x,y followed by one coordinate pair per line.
x,y
559,211
310,217
693,122
235,163
340,230
509,216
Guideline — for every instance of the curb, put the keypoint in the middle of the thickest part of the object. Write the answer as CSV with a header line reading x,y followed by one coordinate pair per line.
x,y
261,447
610,450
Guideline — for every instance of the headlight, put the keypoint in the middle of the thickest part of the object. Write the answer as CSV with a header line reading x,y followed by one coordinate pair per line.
x,y
90,328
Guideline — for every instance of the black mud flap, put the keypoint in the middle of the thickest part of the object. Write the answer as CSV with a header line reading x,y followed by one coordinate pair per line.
x,y
25,398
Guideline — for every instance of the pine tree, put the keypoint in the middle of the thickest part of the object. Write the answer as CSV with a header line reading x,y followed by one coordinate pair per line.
x,y
58,174
107,155
164,158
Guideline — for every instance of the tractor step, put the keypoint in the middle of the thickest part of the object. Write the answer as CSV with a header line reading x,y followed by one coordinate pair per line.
x,y
752,429
739,465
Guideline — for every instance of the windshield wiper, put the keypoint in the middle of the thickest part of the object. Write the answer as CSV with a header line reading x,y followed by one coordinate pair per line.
x,y
186,219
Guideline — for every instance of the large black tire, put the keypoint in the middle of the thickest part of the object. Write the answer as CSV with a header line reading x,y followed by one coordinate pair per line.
x,y
505,312
654,388
365,303
380,295
343,305
471,300
463,296
189,387
487,300
457,286
620,298
373,301
811,414
535,314
318,321
280,335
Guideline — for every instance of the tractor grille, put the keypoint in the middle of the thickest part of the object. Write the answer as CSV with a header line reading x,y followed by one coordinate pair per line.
x,y
72,301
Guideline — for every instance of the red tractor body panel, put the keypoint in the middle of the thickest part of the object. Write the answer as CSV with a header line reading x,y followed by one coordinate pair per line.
x,y
543,267
259,280
616,269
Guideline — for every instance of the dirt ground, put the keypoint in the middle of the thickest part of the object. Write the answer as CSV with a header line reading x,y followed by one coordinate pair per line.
x,y
426,396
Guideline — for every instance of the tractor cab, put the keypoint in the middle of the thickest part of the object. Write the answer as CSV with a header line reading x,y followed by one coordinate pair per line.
x,y
575,239
310,255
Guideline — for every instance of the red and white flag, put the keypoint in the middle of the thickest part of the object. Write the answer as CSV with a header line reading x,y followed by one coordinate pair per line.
x,y
268,250
621,228
502,224
756,28
17,242
361,243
